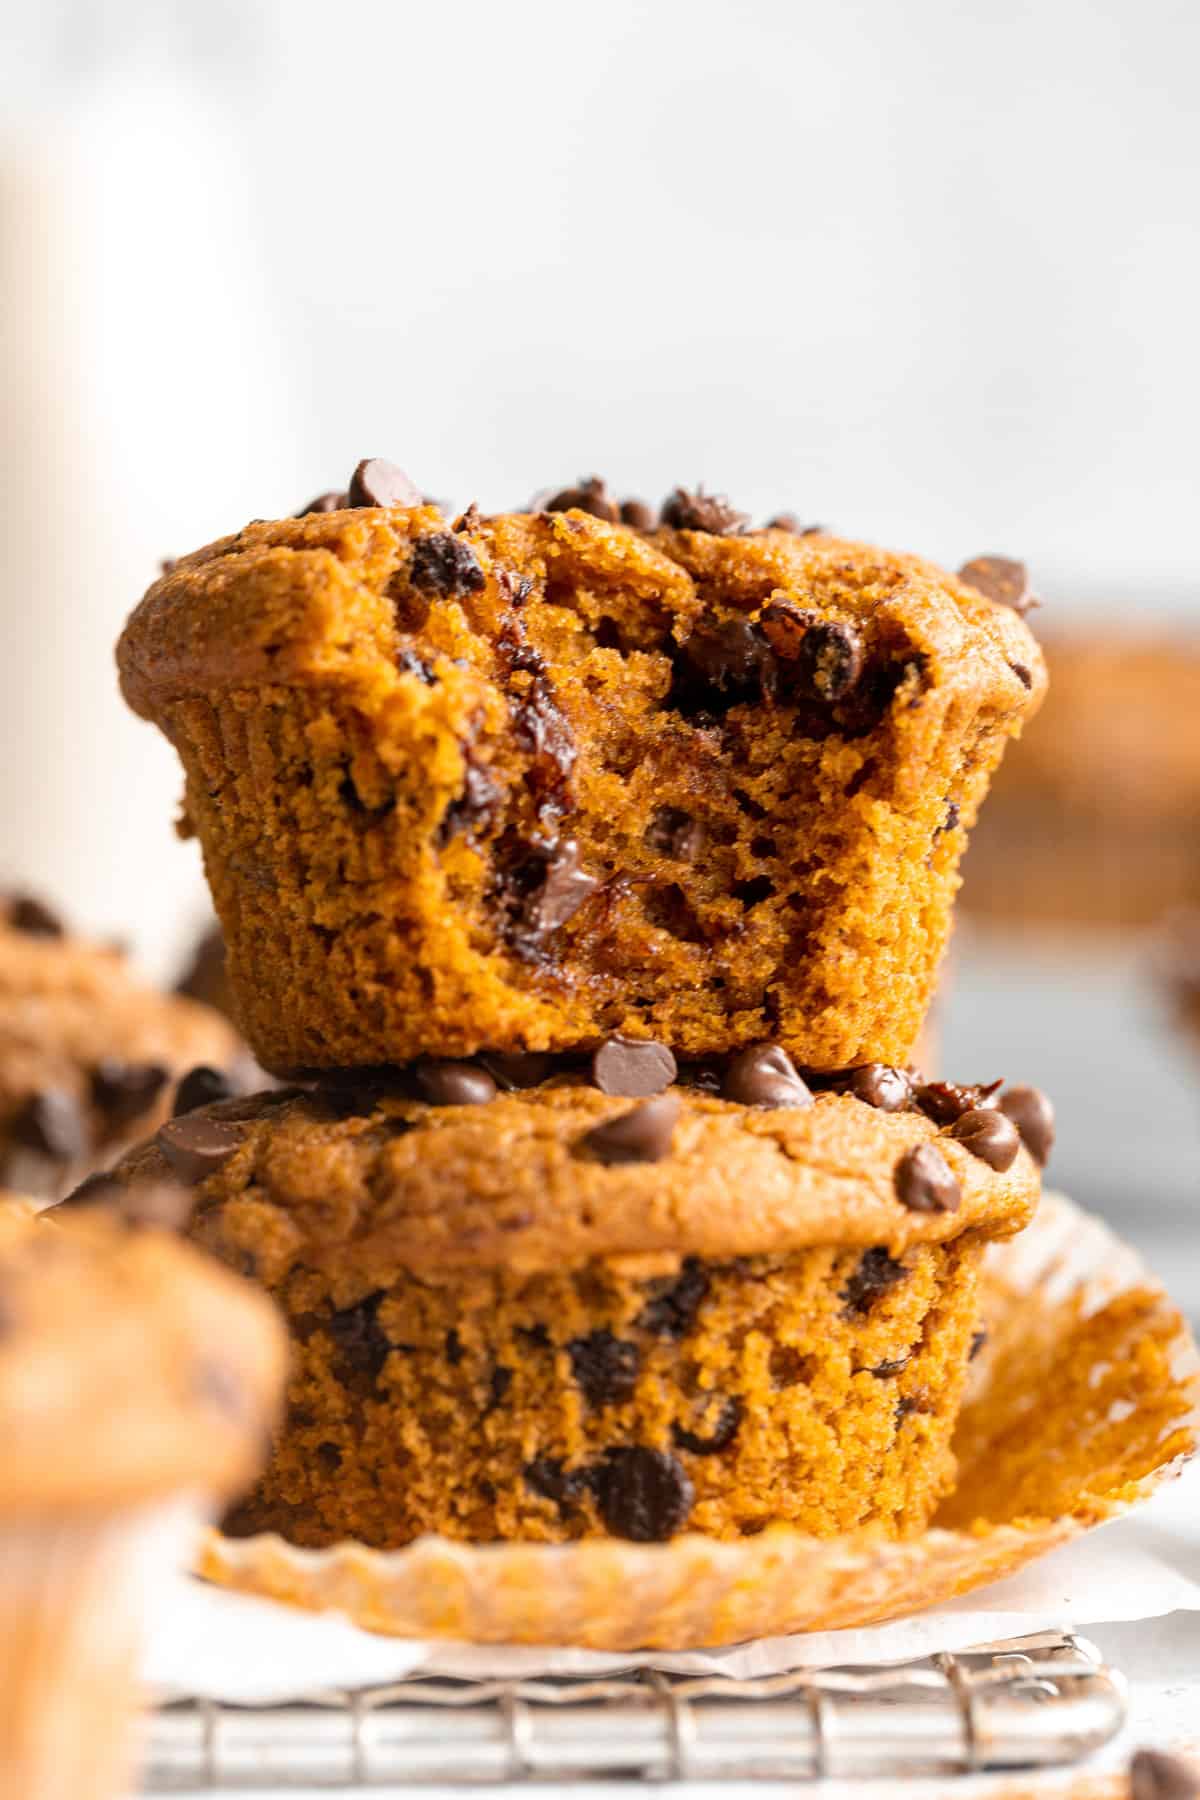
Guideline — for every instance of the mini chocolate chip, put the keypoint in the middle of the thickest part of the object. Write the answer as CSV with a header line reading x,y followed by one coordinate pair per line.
x,y
124,1091
925,1182
605,1367
829,661
686,511
978,1340
197,1146
201,1086
51,1122
874,1274
443,564
765,1075
499,1382
379,483
222,1387
643,1495
454,1348
474,807
987,1134
589,495
1158,1775
446,1083
637,515
359,1336
563,888
671,1310
324,503
880,1085
1033,1115
883,1370
1022,674
547,1478
519,1068
643,1135
32,917
1001,579
633,1067
725,1429
945,1101
790,521
674,833
953,815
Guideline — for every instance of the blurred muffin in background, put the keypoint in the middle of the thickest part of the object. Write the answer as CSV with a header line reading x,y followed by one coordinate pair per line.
x,y
89,1054
138,1385
1094,819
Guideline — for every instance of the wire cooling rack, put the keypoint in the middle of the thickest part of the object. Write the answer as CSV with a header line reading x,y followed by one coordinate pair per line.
x,y
1026,1703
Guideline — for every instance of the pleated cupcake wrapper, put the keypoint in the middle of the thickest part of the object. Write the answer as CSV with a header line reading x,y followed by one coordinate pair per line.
x,y
1085,1400
75,1594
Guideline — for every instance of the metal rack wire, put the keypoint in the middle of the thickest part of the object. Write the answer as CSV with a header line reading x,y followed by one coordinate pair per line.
x,y
1030,1702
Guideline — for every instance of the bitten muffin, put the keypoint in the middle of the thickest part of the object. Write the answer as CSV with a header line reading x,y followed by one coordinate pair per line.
x,y
89,1055
589,1308
542,776
1096,819
138,1383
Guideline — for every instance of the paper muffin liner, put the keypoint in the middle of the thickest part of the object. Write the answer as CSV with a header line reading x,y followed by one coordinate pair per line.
x,y
1085,1398
75,1594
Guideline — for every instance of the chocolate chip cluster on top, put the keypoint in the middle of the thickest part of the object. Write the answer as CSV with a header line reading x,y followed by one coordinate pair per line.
x,y
89,1056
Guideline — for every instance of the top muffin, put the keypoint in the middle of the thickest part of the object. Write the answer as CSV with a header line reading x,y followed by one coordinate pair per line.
x,y
524,781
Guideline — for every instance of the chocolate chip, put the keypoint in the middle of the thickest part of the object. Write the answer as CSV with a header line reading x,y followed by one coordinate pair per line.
x,y
1000,579
632,1067
883,1370
547,1478
446,1083
978,1340
1022,674
33,918
499,1382
765,1075
201,1086
539,724
829,662
1033,1115
443,564
590,495
125,1091
1157,1775
196,1146
925,1182
945,1101
671,1310
725,1429
643,1495
519,1068
324,503
555,886
721,666
359,1336
987,1134
637,515
875,1273
790,521
685,511
474,807
675,833
605,1367
454,1348
643,1135
379,483
51,1122
880,1085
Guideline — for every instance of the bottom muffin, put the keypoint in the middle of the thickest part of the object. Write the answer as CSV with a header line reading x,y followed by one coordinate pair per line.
x,y
555,1313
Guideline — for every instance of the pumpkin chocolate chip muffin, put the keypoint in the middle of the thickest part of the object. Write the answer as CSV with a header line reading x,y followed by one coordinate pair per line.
x,y
629,1300
89,1055
518,782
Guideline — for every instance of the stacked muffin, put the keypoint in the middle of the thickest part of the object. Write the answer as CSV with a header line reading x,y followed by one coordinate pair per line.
x,y
587,874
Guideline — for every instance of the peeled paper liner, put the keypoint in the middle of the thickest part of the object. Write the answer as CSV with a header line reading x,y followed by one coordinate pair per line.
x,y
1085,1398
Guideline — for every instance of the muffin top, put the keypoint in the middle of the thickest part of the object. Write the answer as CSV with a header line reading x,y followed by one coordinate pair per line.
x,y
363,1176
88,1053
131,1366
